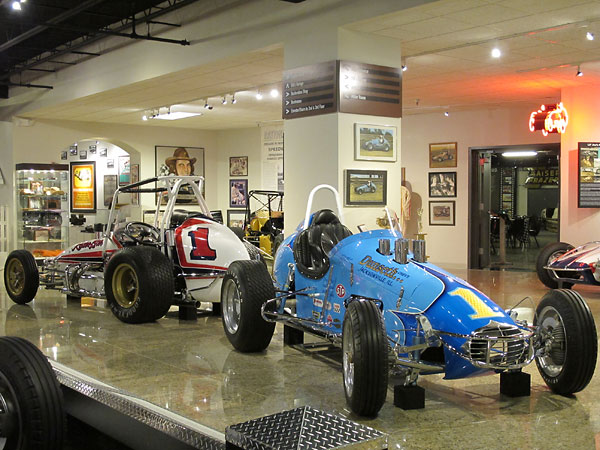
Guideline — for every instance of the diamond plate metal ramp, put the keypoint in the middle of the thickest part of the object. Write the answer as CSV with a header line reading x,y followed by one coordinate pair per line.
x,y
303,428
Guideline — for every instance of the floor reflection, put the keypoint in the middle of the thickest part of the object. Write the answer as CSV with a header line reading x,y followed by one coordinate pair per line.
x,y
190,368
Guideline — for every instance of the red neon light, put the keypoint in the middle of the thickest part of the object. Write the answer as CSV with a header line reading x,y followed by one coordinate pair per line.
x,y
549,119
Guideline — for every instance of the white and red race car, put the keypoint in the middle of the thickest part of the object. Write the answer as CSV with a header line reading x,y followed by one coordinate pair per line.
x,y
141,269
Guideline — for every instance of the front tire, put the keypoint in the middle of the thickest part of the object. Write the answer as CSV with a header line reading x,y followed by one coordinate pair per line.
x,y
30,398
246,286
547,254
139,284
365,358
570,342
21,276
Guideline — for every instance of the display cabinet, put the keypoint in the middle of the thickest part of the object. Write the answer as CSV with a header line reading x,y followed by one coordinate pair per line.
x,y
42,208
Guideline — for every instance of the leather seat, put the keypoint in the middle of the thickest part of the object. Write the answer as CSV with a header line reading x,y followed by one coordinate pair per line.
x,y
312,246
179,216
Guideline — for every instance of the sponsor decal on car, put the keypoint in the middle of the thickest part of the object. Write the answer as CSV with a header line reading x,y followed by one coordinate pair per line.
x,y
318,302
380,271
88,245
340,290
337,308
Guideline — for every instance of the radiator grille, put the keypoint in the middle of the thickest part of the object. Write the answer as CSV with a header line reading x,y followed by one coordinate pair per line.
x,y
499,346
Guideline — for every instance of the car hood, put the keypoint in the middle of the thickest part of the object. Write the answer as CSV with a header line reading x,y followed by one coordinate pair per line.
x,y
578,258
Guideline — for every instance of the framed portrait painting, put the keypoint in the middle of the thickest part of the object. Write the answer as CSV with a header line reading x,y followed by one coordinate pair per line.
x,y
135,177
110,186
442,184
184,161
374,142
238,193
238,166
366,187
442,155
442,213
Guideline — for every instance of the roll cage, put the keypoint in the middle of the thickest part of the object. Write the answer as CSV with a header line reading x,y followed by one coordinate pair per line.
x,y
170,186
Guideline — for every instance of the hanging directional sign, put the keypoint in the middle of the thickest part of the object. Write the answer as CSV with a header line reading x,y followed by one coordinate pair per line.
x,y
370,89
309,91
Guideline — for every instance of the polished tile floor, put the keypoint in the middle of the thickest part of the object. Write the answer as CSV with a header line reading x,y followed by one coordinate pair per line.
x,y
190,368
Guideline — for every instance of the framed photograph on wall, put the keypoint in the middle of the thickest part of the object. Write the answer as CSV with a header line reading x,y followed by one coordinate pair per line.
x,y
442,184
442,213
135,177
374,142
110,163
73,150
110,186
103,152
238,193
238,166
366,187
442,155
235,218
83,154
124,170
83,187
63,155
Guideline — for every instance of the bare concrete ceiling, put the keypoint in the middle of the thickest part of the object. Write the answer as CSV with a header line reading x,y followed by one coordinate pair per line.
x,y
446,46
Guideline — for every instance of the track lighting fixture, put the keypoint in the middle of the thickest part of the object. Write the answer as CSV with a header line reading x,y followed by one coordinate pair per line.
x,y
258,95
404,67
446,113
224,101
233,100
589,36
207,106
579,72
16,6
274,92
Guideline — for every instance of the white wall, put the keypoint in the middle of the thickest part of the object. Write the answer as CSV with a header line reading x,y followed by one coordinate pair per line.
x,y
578,225
7,190
244,142
448,245
43,142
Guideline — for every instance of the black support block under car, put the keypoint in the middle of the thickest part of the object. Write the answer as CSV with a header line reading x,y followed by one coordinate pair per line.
x,y
515,384
409,397
292,336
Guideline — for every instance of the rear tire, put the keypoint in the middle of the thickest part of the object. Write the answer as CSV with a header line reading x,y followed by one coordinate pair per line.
x,y
239,232
365,358
32,403
21,276
246,286
548,253
572,347
139,284
277,243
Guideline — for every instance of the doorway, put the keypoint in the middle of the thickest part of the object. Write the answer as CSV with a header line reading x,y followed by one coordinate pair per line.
x,y
514,205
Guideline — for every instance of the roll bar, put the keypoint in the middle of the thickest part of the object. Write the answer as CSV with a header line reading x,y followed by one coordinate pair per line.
x,y
338,203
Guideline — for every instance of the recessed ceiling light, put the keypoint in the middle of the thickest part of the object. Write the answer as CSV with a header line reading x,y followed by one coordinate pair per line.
x,y
519,154
177,115
496,53
589,36
274,93
259,96
16,6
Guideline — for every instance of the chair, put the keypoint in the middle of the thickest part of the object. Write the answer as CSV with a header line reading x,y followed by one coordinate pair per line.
x,y
535,226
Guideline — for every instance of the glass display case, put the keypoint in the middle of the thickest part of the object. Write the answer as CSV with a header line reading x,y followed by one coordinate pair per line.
x,y
42,208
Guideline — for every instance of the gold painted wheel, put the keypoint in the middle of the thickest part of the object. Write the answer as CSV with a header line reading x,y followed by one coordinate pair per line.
x,y
125,285
15,277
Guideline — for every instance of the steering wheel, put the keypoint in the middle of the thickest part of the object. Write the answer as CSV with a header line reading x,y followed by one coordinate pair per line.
x,y
142,233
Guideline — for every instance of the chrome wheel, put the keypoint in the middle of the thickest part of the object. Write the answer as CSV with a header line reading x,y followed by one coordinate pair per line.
x,y
348,355
557,254
125,285
231,306
555,345
15,276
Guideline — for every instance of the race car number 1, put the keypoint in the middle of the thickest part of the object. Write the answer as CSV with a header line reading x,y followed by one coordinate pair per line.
x,y
200,248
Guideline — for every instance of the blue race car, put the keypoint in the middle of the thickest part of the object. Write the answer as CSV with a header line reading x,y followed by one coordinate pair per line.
x,y
390,309
378,143
369,186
